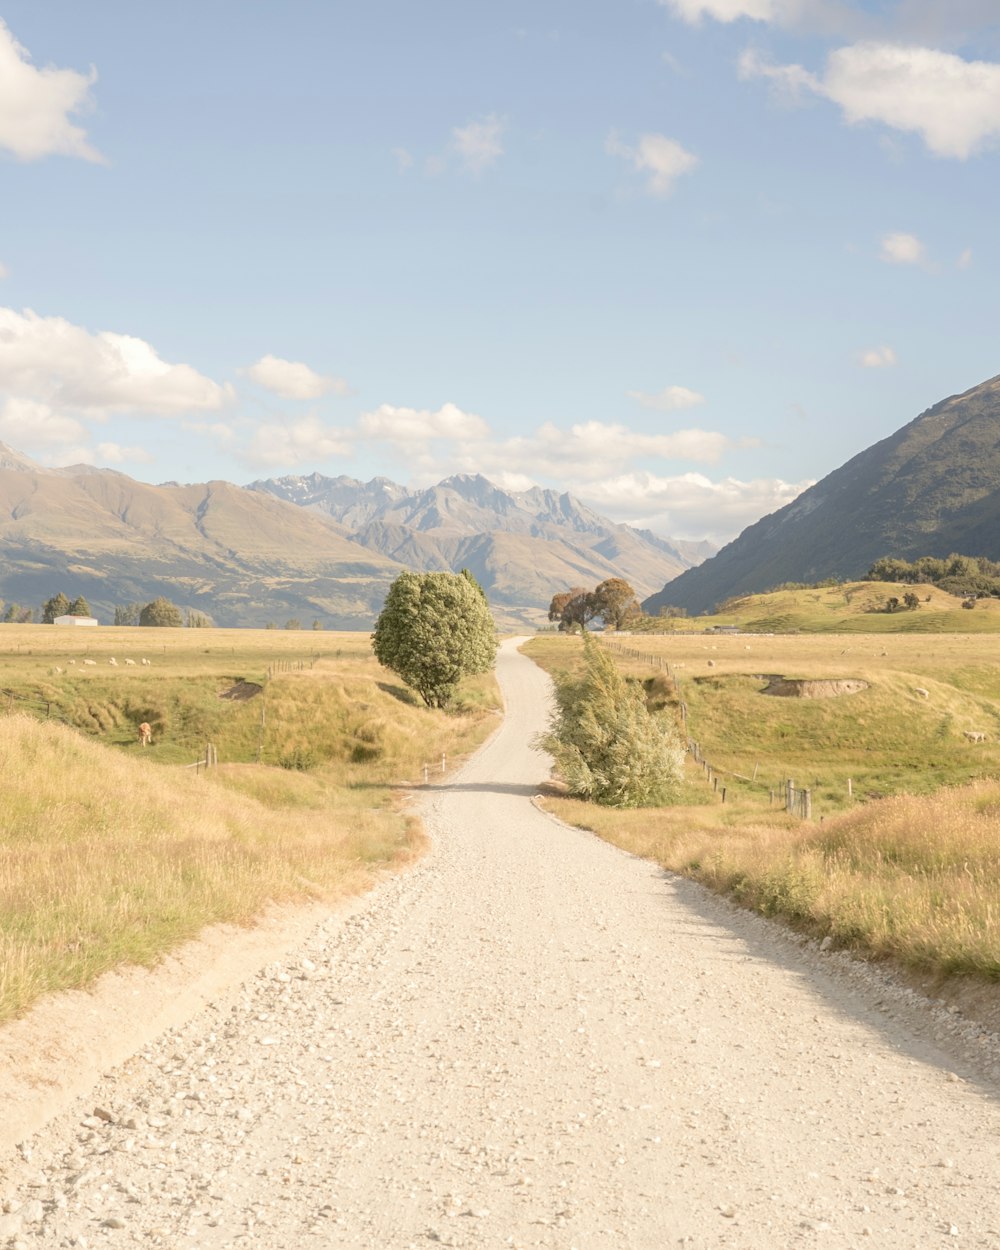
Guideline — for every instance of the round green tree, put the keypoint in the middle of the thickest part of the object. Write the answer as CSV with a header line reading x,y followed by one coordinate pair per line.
x,y
435,629
161,612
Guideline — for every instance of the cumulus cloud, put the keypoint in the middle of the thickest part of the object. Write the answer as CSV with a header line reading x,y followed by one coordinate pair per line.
x,y
965,259
689,505
403,158
114,453
36,106
291,444
410,427
878,358
478,143
664,160
294,380
670,399
902,249
951,103
53,361
27,423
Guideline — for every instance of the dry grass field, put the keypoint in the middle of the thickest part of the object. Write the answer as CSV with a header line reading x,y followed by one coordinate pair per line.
x,y
113,853
905,861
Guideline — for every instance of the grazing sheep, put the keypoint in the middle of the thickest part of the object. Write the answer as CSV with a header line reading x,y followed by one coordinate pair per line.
x,y
56,669
144,660
72,661
711,664
113,662
145,734
90,661
924,694
975,735
131,662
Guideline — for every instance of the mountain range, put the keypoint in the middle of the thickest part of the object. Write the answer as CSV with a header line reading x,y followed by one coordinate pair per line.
x,y
310,548
932,488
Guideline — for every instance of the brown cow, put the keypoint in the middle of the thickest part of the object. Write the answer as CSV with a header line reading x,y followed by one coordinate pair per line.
x,y
145,734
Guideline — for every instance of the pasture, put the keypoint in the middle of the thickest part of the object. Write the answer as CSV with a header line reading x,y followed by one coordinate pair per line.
x,y
903,863
113,853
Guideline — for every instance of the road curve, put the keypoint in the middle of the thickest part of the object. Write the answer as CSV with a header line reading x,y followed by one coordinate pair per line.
x,y
530,1040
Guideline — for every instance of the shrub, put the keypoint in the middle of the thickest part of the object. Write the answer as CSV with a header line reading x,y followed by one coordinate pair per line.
x,y
607,744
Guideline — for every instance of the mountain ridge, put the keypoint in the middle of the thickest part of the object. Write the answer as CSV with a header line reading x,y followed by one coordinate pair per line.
x,y
930,488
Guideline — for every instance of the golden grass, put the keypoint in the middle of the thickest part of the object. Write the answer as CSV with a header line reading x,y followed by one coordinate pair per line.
x,y
108,857
913,877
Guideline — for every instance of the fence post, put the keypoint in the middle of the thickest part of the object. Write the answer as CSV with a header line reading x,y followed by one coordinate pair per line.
x,y
789,795
807,805
444,763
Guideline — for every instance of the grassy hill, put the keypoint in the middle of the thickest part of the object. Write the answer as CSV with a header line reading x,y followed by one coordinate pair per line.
x,y
848,607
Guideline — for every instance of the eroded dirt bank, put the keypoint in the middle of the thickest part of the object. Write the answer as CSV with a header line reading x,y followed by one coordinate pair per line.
x,y
531,1040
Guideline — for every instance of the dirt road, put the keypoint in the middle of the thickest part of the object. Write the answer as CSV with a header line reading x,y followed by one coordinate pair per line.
x,y
529,1040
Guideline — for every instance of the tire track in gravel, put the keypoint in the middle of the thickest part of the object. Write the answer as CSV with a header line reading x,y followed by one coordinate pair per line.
x,y
530,1040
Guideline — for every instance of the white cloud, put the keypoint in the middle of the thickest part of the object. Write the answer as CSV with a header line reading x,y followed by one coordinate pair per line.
x,y
36,106
51,360
952,104
411,427
727,10
965,260
4,271
670,399
478,143
878,357
689,504
403,158
289,445
114,453
294,380
663,159
27,423
902,249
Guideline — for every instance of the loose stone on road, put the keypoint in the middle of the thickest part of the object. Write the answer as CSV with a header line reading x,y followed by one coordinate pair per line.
x,y
529,1040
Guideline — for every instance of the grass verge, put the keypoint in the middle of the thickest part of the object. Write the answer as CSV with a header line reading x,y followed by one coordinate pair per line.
x,y
109,857
912,877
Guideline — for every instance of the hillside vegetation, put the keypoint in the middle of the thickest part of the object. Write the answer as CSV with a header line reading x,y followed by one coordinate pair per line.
x,y
844,607
112,853
902,857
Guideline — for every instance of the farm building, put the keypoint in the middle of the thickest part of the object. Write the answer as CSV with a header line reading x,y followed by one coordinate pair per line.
x,y
76,620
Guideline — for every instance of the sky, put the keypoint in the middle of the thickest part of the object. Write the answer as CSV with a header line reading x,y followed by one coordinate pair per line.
x,y
681,258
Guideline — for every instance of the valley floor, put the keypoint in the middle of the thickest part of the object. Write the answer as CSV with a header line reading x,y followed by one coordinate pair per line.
x,y
531,1040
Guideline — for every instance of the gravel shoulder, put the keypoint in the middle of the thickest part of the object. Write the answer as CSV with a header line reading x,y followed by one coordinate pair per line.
x,y
530,1039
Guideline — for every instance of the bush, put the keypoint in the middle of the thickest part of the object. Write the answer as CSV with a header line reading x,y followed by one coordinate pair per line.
x,y
607,744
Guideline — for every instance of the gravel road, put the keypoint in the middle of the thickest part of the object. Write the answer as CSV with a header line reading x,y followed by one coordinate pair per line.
x,y
532,1039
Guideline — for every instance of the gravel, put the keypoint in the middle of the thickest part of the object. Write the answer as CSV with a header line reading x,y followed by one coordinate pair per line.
x,y
532,1040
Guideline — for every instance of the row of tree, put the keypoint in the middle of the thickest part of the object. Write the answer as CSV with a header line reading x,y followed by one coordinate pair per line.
x,y
971,576
613,601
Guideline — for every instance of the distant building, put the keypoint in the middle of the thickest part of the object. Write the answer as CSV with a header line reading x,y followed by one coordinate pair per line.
x,y
76,620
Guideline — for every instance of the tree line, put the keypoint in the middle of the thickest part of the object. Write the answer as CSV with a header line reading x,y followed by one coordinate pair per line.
x,y
969,576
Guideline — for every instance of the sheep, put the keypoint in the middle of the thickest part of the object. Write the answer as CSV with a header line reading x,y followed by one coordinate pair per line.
x,y
975,735
90,661
919,690
144,660
113,662
131,662
72,661
145,734
56,668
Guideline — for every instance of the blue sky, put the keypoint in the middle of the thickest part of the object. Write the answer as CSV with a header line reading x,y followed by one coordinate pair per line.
x,y
679,257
